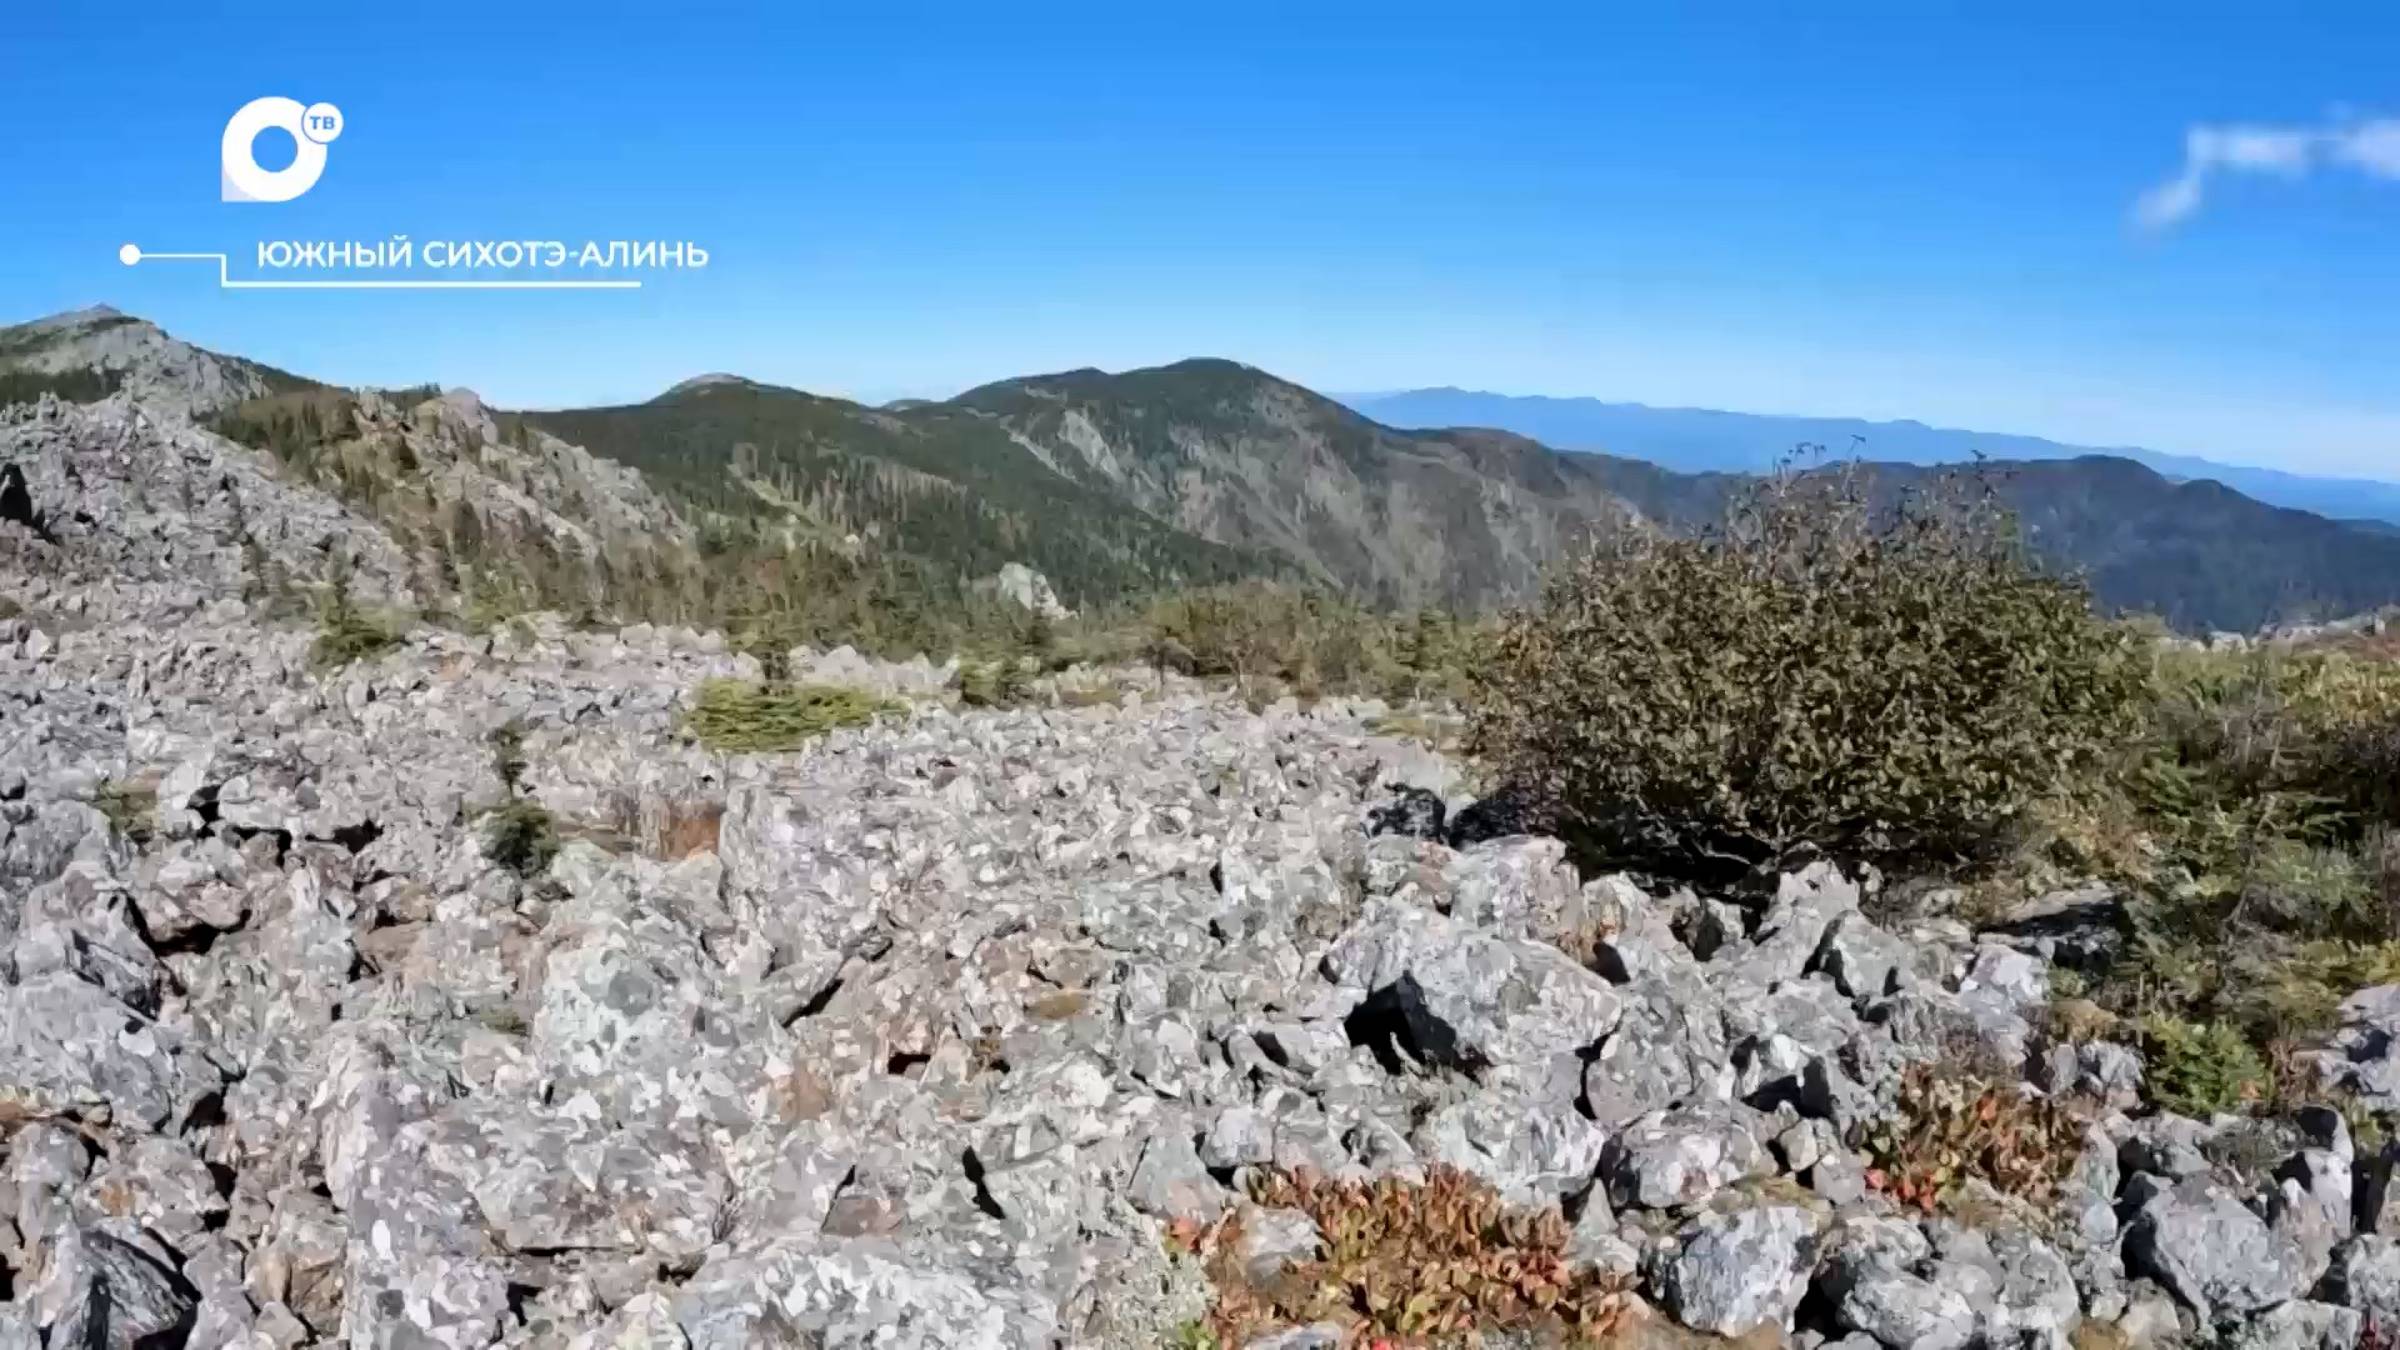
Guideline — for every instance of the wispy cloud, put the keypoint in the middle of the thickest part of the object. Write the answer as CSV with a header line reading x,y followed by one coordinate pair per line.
x,y
2370,146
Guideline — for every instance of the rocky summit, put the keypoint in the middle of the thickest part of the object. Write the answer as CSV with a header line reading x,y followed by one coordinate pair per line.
x,y
956,1028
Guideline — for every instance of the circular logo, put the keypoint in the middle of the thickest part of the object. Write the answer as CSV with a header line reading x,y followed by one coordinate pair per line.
x,y
312,128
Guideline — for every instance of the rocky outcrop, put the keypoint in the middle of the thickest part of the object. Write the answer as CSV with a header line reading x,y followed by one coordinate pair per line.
x,y
175,380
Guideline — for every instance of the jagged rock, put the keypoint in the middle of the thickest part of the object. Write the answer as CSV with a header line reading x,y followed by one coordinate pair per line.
x,y
2199,1240
1671,1159
2021,1289
1885,1278
1273,1240
2088,1195
2152,1319
1414,812
2363,1054
2365,1275
1442,995
1172,1182
1532,1152
1787,936
1863,960
2082,928
2166,1145
1028,590
1872,1284
1520,888
106,1292
1498,815
73,1049
2101,1070
2311,1206
2299,1325
1739,1271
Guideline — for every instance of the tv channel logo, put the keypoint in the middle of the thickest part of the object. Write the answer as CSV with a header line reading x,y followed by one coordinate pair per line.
x,y
312,128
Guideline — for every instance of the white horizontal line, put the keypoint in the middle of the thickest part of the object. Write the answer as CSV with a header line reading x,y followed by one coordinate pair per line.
x,y
431,285
225,282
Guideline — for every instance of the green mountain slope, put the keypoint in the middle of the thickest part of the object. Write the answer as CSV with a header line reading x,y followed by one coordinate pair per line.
x,y
1235,455
939,482
724,498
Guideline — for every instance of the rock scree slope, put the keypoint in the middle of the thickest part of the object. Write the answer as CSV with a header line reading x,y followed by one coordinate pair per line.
x,y
936,1031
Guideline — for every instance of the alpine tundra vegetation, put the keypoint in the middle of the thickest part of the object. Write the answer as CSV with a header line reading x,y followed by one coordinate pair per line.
x,y
667,876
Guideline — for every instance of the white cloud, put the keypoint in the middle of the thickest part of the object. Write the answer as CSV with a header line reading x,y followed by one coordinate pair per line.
x,y
2370,146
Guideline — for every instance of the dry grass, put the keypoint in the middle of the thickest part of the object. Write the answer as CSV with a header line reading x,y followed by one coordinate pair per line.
x,y
1440,1263
1058,1005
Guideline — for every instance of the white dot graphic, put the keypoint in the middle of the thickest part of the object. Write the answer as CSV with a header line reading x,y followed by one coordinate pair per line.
x,y
129,255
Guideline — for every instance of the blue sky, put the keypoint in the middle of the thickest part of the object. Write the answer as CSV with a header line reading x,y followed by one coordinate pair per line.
x,y
1896,210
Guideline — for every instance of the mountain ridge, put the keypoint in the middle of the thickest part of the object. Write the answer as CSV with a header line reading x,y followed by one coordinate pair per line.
x,y
1111,485
1703,439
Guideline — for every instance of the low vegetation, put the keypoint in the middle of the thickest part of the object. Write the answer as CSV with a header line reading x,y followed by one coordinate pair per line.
x,y
520,834
2201,1068
2252,823
1438,1263
1951,1127
738,717
1001,683
1894,683
131,809
346,632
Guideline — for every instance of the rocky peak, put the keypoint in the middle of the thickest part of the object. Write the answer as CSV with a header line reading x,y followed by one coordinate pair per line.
x,y
168,376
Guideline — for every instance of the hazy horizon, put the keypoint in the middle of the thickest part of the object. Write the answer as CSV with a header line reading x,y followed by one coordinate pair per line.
x,y
2182,244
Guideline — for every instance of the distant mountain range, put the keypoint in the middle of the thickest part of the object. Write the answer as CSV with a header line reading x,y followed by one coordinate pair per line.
x,y
1694,440
1113,485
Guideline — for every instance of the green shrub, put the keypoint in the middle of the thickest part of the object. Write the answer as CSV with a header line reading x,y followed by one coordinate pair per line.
x,y
508,755
2266,887
1892,681
521,837
347,637
345,633
734,716
2200,1069
1257,632
993,684
131,808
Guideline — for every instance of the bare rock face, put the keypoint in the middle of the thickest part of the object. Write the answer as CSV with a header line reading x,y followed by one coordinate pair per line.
x,y
172,378
1028,590
921,1035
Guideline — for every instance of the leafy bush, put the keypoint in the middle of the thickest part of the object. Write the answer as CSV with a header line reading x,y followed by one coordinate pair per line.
x,y
1948,1128
1439,1263
1881,681
2200,1069
735,717
521,837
